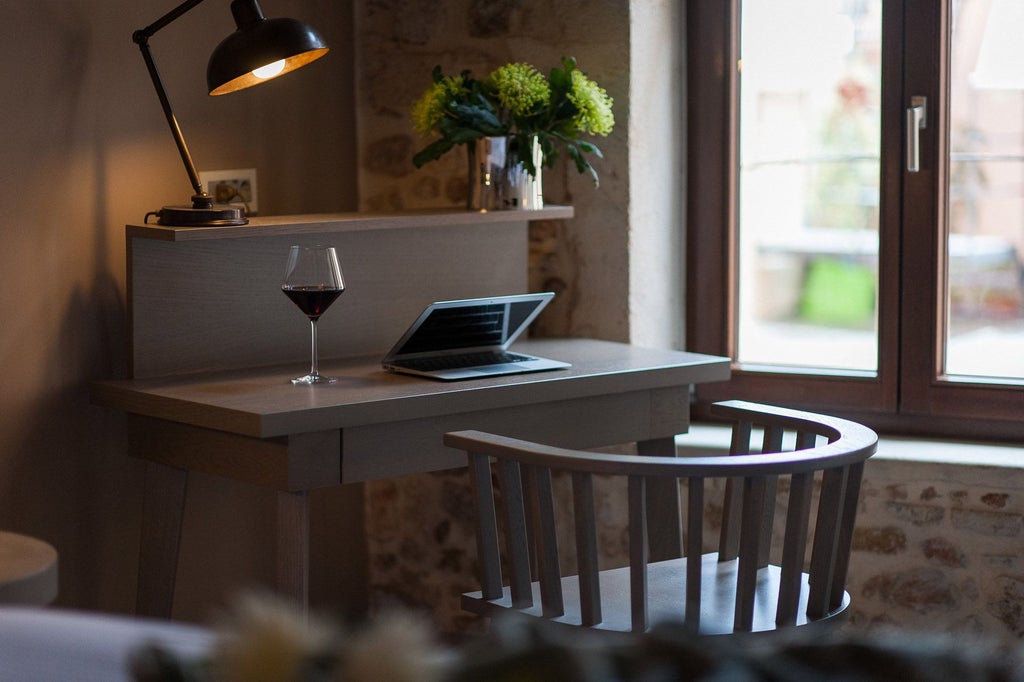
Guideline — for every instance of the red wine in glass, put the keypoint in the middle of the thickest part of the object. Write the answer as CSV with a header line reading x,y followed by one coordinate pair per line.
x,y
313,301
313,281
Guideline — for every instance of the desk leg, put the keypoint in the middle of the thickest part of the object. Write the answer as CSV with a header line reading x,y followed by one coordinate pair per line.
x,y
163,507
665,525
293,546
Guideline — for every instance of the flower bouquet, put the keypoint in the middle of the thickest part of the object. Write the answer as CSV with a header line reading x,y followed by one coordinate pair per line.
x,y
517,101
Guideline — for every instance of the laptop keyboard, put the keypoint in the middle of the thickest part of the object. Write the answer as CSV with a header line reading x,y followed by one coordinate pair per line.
x,y
461,360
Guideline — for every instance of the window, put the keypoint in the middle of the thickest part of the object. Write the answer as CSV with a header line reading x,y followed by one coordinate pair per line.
x,y
839,269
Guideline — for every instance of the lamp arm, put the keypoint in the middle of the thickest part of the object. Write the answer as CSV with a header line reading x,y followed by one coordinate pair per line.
x,y
141,38
171,16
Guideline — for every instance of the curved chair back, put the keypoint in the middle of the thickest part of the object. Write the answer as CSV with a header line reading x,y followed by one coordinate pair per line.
x,y
735,589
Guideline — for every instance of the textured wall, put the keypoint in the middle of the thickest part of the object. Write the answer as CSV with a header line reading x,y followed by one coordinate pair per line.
x,y
585,260
940,547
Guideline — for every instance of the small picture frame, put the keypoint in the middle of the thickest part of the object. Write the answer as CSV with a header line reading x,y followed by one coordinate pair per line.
x,y
232,188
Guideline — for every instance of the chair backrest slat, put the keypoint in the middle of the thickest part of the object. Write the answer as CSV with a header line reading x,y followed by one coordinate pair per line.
x,y
772,439
729,542
637,503
826,541
517,548
486,526
586,547
750,544
694,551
548,572
532,522
771,484
794,547
772,442
844,541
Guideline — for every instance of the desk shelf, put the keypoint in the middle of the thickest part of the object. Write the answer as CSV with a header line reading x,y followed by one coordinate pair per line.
x,y
325,223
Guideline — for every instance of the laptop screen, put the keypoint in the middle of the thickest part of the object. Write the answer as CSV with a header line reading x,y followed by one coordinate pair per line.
x,y
469,326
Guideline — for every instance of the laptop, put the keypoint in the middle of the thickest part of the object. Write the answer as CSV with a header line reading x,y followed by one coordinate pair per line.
x,y
470,339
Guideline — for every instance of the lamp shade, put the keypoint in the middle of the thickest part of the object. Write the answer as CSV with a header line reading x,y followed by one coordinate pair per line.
x,y
260,49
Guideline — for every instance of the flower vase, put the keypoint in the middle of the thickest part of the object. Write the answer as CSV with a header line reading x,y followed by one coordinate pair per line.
x,y
498,180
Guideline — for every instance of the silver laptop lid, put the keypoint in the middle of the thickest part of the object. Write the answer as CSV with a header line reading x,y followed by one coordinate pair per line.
x,y
469,325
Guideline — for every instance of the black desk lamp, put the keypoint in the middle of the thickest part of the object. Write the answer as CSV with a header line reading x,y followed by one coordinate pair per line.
x,y
260,49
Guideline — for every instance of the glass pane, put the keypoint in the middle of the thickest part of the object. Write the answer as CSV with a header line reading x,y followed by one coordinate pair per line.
x,y
985,328
809,183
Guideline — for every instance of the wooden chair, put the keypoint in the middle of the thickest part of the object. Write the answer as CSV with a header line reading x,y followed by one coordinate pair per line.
x,y
732,590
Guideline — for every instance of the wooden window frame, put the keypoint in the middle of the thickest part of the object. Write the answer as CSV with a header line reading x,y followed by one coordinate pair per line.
x,y
908,394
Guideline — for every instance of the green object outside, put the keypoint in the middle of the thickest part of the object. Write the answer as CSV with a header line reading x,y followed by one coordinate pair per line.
x,y
838,293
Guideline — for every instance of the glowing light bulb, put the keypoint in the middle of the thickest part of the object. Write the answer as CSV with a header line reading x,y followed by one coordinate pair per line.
x,y
270,70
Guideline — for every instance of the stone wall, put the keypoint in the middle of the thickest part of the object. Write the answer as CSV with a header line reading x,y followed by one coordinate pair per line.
x,y
585,260
939,547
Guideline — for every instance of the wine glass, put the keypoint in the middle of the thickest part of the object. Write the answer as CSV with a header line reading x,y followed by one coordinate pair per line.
x,y
312,280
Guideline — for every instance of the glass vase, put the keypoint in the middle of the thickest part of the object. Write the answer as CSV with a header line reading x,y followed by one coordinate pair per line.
x,y
498,180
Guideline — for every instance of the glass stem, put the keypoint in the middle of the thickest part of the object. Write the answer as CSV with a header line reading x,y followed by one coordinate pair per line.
x,y
314,365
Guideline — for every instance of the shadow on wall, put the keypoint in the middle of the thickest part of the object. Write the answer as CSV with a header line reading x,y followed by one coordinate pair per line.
x,y
64,475
67,479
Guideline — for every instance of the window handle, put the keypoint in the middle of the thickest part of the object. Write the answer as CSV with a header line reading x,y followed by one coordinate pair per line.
x,y
917,120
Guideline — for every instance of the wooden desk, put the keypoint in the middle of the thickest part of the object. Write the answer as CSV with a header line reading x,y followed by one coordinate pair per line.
x,y
254,426
204,306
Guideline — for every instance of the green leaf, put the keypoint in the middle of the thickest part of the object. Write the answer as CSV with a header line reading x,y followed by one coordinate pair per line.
x,y
549,151
479,118
521,149
432,152
582,165
590,148
561,79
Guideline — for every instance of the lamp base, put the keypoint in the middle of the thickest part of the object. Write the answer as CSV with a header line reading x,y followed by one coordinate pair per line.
x,y
190,216
200,214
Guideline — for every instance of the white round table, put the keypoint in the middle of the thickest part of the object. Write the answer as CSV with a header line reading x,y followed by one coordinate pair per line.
x,y
28,570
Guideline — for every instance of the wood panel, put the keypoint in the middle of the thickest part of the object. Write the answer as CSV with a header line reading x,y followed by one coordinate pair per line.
x,y
301,461
399,448
163,510
264,404
211,300
305,461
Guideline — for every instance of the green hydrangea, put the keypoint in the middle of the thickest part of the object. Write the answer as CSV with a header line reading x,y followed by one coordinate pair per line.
x,y
516,100
429,109
594,105
520,88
